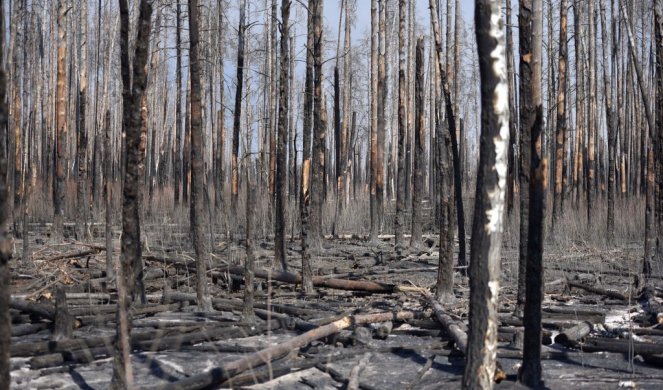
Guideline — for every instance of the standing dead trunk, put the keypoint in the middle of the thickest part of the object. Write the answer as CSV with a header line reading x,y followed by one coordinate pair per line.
x,y
374,121
658,29
526,123
560,134
81,145
419,145
444,286
612,133
198,216
513,118
61,126
402,129
178,106
237,114
530,371
591,115
490,196
281,142
319,128
248,314
305,195
650,199
5,238
108,197
134,122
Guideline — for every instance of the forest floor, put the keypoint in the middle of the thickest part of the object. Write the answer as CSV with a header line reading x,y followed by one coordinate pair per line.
x,y
172,341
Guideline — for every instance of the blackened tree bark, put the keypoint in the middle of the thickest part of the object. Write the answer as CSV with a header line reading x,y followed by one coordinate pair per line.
x,y
108,197
526,123
658,30
134,122
307,127
560,134
444,286
375,47
490,197
237,114
650,199
61,125
591,114
220,178
419,145
248,314
81,141
513,118
197,214
319,128
281,142
5,237
530,371
177,171
402,128
612,133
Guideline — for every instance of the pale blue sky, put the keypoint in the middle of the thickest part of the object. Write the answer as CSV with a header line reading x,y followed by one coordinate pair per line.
x,y
363,21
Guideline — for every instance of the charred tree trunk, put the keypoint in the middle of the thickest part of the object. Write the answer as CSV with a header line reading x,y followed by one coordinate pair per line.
x,y
108,197
402,129
178,106
650,199
530,371
444,286
591,115
307,127
612,133
526,122
237,114
81,145
420,146
134,122
61,127
198,216
490,196
281,142
319,128
560,134
5,238
513,118
375,48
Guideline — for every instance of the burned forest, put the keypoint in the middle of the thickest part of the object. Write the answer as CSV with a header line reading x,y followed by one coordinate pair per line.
x,y
331,194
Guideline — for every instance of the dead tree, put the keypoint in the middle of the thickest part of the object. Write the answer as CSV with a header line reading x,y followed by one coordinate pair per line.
x,y
375,47
134,122
419,145
199,218
530,371
5,238
305,195
444,286
81,145
591,114
61,125
526,123
658,28
248,314
513,119
108,197
612,133
560,134
490,198
177,161
402,128
281,142
319,128
237,114
650,201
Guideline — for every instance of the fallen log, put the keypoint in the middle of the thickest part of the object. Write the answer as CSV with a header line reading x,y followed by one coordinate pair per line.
x,y
574,334
595,344
218,375
598,290
318,281
26,329
339,377
72,255
173,342
457,329
33,308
